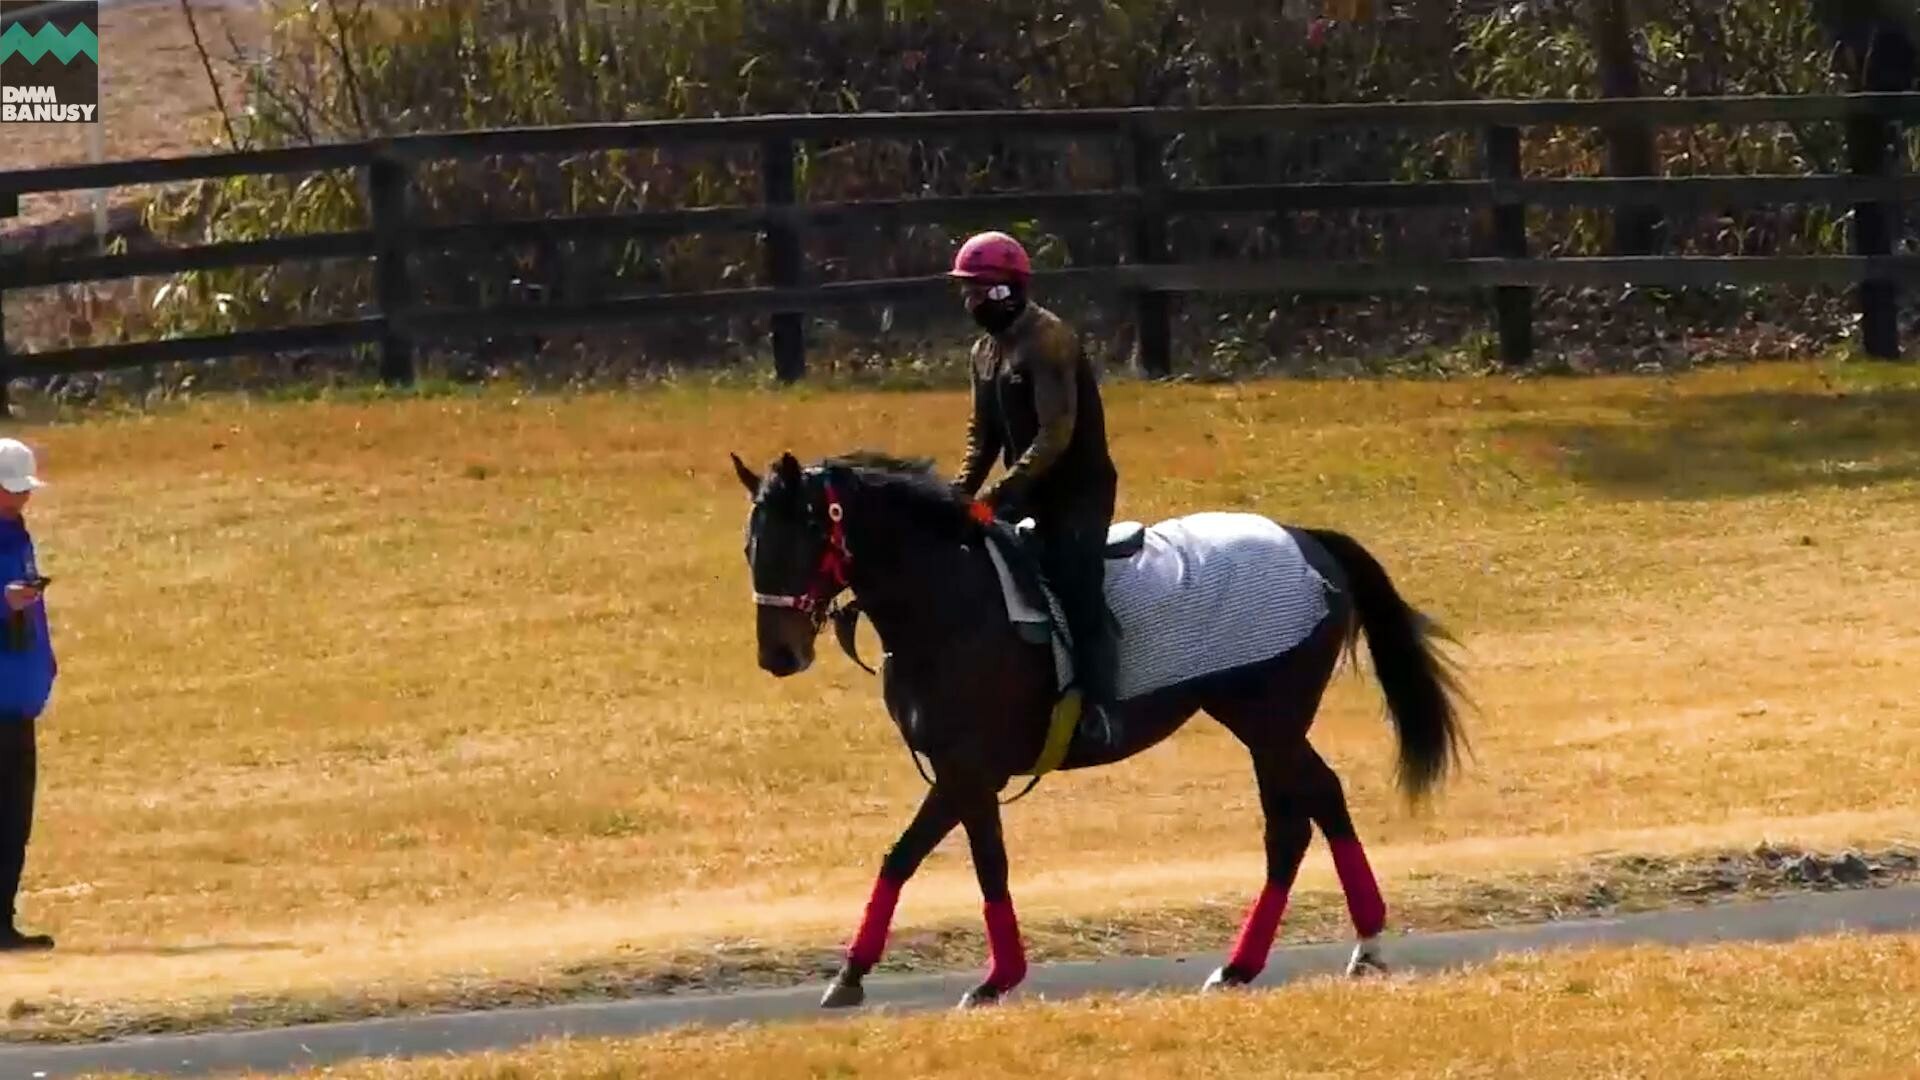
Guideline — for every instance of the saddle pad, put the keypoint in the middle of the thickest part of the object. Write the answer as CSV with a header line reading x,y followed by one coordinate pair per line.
x,y
1205,593
1032,623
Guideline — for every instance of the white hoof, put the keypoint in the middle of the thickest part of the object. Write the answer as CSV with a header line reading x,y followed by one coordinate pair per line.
x,y
1222,979
1367,959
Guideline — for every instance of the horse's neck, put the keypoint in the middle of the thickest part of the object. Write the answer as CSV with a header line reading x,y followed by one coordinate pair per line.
x,y
918,595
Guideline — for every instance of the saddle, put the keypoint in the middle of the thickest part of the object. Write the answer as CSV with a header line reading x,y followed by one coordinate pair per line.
x,y
1018,546
1016,551
1124,539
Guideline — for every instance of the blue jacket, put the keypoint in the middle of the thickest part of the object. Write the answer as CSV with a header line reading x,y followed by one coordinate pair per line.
x,y
26,671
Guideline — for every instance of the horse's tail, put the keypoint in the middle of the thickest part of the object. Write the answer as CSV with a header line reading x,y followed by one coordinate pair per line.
x,y
1419,685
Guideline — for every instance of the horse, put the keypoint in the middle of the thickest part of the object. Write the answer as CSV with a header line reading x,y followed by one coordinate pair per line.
x,y
975,697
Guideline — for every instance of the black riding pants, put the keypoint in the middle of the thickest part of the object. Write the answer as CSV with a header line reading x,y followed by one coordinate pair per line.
x,y
1073,542
19,769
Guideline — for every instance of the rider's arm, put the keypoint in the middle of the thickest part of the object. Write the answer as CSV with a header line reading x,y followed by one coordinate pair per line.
x,y
983,436
1051,357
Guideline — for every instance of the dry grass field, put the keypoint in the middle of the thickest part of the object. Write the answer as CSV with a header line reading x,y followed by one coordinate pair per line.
x,y
1837,1007
373,698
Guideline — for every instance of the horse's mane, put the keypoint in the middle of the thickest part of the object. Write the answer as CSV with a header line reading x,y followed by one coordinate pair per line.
x,y
908,484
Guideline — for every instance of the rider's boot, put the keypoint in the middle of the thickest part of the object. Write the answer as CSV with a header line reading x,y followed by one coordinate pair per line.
x,y
1072,551
1094,665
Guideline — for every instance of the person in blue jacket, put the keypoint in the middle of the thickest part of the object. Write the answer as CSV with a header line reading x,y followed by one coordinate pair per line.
x,y
27,670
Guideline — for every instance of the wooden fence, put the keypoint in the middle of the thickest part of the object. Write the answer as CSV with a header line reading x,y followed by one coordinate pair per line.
x,y
1874,188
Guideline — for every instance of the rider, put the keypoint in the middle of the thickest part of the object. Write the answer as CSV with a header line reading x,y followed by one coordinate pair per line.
x,y
1036,403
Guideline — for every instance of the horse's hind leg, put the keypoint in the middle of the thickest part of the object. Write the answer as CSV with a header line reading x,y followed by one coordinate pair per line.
x,y
1270,714
1288,832
1326,799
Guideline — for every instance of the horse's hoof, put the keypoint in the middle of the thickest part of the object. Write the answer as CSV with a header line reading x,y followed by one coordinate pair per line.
x,y
1224,978
843,994
1366,962
982,995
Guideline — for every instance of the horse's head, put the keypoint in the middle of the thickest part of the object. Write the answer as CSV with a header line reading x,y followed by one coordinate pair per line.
x,y
797,556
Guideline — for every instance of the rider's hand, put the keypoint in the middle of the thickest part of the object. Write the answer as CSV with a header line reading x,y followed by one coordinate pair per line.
x,y
21,595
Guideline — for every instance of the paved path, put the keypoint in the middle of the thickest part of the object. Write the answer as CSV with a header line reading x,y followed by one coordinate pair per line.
x,y
1883,910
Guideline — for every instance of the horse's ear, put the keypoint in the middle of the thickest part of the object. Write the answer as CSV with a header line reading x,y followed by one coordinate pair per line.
x,y
790,470
745,474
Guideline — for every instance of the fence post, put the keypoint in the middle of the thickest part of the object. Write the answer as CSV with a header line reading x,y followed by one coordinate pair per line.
x,y
1512,304
1870,152
779,192
389,190
9,207
1152,307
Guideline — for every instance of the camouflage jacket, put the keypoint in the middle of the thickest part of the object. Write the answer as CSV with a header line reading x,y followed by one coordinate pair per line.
x,y
1036,405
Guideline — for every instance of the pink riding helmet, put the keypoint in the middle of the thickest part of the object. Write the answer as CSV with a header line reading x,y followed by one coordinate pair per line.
x,y
991,256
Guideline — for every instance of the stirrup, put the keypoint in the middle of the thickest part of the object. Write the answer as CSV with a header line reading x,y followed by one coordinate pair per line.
x,y
1096,721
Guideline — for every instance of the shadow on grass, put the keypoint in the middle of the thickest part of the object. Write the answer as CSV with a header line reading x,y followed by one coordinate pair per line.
x,y
1766,442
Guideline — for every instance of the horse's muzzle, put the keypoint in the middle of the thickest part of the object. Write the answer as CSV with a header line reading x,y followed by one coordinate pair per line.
x,y
783,660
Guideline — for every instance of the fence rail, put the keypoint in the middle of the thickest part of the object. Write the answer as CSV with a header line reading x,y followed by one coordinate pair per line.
x,y
1874,190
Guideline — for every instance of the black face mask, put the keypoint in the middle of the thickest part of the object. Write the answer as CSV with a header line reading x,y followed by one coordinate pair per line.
x,y
996,314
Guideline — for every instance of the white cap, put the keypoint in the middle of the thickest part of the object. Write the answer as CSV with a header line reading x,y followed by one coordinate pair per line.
x,y
17,466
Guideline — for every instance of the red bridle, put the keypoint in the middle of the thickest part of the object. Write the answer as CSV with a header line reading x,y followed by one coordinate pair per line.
x,y
829,578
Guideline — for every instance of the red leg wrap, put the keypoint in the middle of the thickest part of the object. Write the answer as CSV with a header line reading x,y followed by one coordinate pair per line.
x,y
1258,931
1007,957
1369,911
871,941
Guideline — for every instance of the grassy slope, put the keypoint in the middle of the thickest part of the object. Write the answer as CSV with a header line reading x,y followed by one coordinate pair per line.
x,y
365,697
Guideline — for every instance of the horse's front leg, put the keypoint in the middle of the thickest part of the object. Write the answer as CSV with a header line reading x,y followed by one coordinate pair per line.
x,y
935,819
1006,953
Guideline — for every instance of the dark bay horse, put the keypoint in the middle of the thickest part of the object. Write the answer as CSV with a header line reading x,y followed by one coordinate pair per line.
x,y
974,697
